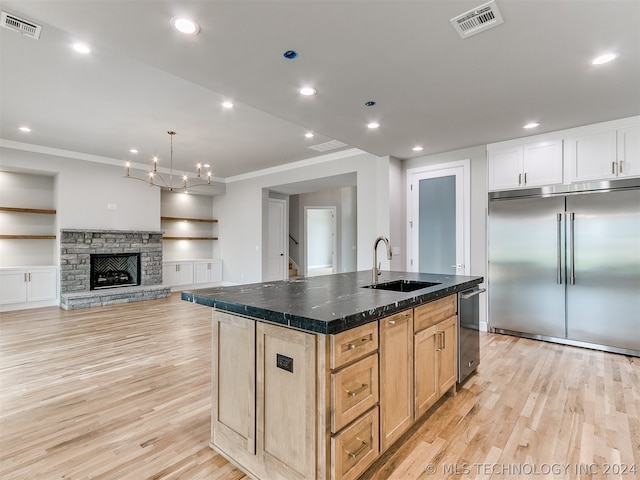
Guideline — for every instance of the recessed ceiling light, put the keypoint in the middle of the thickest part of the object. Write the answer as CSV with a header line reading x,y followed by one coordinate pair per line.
x,y
531,125
308,135
25,129
227,105
373,125
81,47
606,58
206,165
307,91
133,150
185,25
418,148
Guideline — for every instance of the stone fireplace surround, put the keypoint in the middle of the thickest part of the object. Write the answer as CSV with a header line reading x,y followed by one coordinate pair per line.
x,y
76,246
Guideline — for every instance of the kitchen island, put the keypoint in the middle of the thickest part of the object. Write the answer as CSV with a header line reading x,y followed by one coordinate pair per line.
x,y
314,378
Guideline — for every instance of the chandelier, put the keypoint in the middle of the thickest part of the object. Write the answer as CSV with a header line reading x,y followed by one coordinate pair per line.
x,y
155,179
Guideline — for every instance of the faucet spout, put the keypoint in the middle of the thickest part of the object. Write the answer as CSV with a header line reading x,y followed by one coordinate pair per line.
x,y
376,267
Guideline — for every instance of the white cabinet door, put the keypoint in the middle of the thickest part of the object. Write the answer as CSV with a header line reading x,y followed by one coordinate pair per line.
x,y
505,168
13,286
207,271
215,272
592,156
201,272
175,274
185,273
170,273
542,163
629,151
42,284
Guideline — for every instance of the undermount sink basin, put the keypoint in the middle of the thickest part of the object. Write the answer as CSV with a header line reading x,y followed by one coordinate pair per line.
x,y
402,285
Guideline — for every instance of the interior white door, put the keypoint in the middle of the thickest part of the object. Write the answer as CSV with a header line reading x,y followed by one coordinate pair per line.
x,y
438,231
276,258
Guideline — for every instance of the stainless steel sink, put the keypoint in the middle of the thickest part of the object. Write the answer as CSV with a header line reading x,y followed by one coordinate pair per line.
x,y
402,285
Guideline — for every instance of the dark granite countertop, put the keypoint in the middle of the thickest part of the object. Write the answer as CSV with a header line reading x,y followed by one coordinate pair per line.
x,y
330,303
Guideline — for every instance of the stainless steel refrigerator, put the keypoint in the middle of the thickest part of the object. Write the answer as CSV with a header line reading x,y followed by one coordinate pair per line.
x,y
564,264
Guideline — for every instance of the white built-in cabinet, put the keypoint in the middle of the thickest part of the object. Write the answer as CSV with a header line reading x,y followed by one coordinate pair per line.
x,y
207,271
602,155
28,287
604,151
184,273
524,166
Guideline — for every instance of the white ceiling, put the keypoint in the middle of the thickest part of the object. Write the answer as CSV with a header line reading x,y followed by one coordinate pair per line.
x,y
431,87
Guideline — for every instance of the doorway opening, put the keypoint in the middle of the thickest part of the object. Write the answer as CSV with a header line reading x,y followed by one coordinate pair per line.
x,y
320,240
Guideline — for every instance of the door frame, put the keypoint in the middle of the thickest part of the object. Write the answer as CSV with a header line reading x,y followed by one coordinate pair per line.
x,y
334,245
464,169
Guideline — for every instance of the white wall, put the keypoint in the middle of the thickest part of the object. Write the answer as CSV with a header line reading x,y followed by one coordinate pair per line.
x,y
242,205
85,190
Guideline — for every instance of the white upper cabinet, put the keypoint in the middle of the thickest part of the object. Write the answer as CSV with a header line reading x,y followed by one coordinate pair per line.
x,y
629,151
603,155
591,156
527,165
601,151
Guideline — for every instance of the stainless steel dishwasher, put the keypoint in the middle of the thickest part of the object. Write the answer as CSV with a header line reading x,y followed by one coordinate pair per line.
x,y
468,332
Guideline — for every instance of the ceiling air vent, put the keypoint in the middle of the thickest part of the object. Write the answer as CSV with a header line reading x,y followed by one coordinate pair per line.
x,y
478,20
327,146
18,24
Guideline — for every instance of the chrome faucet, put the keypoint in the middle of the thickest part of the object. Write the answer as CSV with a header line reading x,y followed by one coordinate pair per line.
x,y
376,265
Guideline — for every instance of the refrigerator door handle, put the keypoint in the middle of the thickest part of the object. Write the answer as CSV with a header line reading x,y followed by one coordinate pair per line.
x,y
572,278
559,248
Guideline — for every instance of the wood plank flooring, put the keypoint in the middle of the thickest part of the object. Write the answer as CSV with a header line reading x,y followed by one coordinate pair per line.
x,y
123,392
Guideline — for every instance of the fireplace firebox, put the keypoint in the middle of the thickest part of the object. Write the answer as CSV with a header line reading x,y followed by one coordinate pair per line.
x,y
111,270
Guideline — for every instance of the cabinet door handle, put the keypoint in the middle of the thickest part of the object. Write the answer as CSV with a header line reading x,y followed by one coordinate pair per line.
x,y
440,346
29,276
362,448
613,168
358,343
25,278
620,166
392,322
525,178
353,393
519,179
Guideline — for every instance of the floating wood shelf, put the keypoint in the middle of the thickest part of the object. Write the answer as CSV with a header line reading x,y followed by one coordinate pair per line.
x,y
28,210
190,238
184,219
27,237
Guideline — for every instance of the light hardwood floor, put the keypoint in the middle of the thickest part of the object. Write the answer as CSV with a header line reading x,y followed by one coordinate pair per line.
x,y
123,392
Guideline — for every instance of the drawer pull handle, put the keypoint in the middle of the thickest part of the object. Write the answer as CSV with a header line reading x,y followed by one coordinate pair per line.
x,y
358,343
359,451
353,393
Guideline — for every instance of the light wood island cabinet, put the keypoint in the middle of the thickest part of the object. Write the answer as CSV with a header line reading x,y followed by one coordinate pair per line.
x,y
293,404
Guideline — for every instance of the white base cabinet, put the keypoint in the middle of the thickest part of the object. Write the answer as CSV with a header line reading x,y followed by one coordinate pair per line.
x,y
28,287
185,273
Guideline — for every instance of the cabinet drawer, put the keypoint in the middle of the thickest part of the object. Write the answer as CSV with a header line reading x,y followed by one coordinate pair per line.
x,y
355,448
434,312
353,344
354,390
